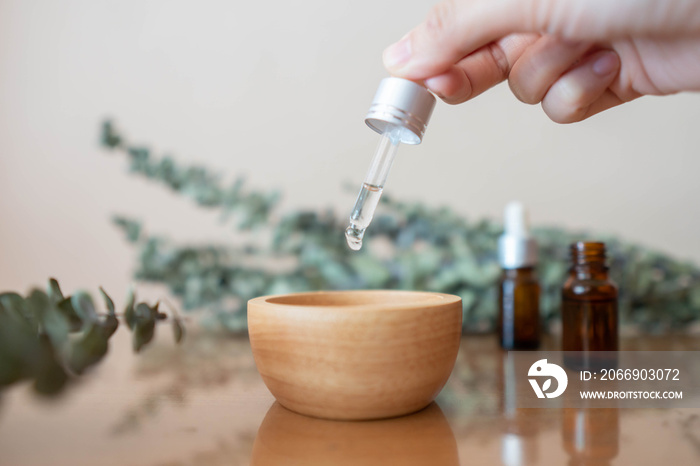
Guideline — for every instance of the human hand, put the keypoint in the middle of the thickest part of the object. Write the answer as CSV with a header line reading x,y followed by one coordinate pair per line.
x,y
576,57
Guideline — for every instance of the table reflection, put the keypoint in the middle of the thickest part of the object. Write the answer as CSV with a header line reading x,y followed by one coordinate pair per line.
x,y
285,437
202,403
521,425
591,436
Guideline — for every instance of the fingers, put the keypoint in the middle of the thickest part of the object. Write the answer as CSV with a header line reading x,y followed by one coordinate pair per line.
x,y
530,62
480,70
541,65
456,28
467,46
570,87
452,30
584,90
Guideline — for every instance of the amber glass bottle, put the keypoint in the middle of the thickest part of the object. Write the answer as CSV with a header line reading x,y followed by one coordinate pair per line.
x,y
519,306
589,309
518,320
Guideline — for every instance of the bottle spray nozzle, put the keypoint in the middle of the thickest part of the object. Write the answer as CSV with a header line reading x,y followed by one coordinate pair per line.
x,y
515,220
516,248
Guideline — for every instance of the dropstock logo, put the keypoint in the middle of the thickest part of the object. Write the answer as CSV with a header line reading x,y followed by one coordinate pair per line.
x,y
543,369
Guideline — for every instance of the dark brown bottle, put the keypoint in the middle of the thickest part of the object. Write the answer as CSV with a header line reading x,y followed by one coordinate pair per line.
x,y
518,320
589,309
519,309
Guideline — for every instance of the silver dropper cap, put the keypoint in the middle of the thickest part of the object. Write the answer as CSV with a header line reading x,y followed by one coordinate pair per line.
x,y
403,103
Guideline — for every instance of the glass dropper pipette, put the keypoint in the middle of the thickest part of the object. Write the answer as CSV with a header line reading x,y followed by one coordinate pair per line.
x,y
400,113
372,188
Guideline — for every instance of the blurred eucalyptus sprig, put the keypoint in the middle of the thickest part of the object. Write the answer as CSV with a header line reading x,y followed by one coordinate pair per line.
x,y
201,185
50,338
409,246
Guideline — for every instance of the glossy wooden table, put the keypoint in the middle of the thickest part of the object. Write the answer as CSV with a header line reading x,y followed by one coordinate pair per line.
x,y
203,403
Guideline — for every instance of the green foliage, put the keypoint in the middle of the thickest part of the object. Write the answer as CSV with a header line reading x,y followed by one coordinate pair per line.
x,y
49,339
197,183
409,246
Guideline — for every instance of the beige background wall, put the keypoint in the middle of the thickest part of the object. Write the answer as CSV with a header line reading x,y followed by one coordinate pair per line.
x,y
277,90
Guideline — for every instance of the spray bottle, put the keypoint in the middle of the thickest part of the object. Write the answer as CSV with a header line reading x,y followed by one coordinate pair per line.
x,y
518,289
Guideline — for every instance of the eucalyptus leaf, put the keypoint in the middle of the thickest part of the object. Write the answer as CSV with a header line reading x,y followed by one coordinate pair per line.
x,y
88,349
158,314
144,325
110,138
131,228
36,300
17,344
55,293
146,312
178,330
110,325
66,308
13,303
108,301
85,308
16,309
54,324
129,311
51,321
144,330
49,375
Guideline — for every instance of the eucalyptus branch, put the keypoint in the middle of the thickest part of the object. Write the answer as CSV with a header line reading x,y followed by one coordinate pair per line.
x,y
409,246
51,339
196,182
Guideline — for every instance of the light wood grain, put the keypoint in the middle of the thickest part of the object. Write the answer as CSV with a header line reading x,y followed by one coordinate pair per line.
x,y
355,354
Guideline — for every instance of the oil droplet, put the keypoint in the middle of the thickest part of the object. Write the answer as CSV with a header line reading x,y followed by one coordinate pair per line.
x,y
362,214
354,238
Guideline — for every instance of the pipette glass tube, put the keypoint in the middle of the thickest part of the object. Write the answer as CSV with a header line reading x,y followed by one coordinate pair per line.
x,y
399,112
371,190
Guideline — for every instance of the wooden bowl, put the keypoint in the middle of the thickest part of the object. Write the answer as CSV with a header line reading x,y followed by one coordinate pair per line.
x,y
423,438
355,355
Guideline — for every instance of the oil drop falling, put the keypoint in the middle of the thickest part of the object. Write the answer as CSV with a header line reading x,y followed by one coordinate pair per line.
x,y
362,214
354,238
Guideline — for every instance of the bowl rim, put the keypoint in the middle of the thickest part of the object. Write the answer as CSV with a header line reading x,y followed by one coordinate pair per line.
x,y
430,299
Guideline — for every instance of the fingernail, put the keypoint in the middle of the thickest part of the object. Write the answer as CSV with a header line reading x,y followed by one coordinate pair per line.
x,y
435,84
397,54
606,64
431,84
